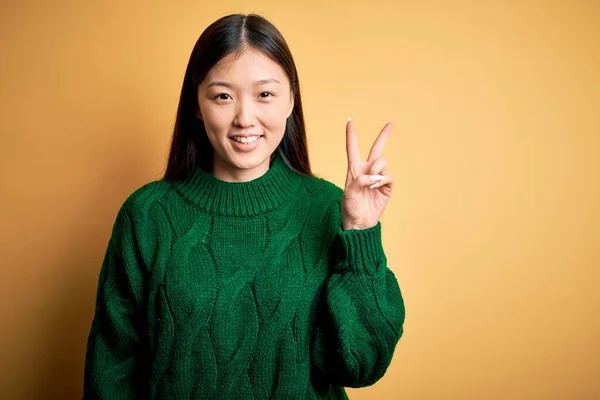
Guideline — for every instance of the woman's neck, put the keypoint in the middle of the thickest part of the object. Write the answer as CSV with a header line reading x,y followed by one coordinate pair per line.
x,y
272,189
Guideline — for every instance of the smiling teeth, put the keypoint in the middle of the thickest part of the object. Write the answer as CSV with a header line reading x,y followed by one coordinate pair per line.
x,y
248,139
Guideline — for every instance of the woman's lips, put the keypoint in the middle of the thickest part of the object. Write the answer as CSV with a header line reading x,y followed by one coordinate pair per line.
x,y
245,147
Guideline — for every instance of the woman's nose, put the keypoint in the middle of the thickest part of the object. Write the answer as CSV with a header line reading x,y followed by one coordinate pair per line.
x,y
245,113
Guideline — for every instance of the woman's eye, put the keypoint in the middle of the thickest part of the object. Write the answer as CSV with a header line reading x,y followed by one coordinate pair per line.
x,y
222,96
266,94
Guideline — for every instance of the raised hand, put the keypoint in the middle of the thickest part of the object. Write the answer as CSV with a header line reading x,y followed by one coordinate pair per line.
x,y
368,187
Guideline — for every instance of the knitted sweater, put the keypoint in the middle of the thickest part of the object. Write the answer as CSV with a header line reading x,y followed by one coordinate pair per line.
x,y
218,290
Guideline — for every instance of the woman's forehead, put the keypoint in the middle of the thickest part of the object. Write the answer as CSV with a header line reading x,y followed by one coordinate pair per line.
x,y
248,66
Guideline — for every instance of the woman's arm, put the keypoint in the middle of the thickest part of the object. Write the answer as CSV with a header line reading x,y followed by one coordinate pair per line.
x,y
362,315
114,364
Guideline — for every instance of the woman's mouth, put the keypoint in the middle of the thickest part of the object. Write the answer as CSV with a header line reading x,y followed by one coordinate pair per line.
x,y
245,143
246,139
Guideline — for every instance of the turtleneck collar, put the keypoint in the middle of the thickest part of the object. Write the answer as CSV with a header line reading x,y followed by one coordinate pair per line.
x,y
241,199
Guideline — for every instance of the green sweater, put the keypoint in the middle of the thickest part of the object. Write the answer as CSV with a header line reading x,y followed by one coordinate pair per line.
x,y
252,290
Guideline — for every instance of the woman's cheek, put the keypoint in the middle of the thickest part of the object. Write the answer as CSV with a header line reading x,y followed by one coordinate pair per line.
x,y
276,116
275,124
216,119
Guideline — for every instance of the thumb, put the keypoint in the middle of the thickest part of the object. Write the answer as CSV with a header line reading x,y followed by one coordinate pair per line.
x,y
365,181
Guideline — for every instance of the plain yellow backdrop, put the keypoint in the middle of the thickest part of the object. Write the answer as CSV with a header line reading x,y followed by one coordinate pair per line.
x,y
493,230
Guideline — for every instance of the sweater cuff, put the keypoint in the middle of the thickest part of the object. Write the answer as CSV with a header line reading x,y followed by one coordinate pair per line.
x,y
358,250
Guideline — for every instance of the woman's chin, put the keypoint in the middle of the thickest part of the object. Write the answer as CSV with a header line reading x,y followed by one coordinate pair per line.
x,y
249,161
244,166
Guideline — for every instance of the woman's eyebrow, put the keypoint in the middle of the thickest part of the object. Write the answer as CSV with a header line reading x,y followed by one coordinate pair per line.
x,y
265,81
256,83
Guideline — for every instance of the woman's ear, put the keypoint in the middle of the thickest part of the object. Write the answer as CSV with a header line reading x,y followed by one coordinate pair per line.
x,y
198,113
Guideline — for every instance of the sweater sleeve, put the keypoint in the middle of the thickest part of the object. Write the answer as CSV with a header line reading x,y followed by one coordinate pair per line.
x,y
114,365
361,318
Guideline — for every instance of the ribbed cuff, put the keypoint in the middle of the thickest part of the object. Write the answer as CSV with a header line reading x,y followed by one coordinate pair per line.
x,y
359,250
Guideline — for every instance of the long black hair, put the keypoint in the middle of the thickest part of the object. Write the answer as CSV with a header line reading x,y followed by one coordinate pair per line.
x,y
190,147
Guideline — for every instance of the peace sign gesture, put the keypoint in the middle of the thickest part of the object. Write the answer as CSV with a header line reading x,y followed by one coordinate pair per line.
x,y
368,187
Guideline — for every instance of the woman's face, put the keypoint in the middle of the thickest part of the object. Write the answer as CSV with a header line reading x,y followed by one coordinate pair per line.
x,y
244,102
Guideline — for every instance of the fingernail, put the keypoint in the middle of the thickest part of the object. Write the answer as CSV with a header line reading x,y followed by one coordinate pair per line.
x,y
374,185
349,119
376,177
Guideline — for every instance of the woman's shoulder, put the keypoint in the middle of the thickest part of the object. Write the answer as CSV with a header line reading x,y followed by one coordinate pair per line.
x,y
144,197
324,201
321,188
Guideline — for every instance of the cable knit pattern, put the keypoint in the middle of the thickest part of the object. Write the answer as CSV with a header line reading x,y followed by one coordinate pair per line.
x,y
219,290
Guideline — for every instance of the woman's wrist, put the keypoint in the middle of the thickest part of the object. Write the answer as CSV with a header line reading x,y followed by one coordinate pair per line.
x,y
350,226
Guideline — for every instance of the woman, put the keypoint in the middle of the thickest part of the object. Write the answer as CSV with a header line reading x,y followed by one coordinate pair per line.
x,y
240,275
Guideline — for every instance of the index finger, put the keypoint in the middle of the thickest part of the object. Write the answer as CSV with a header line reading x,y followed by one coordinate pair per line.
x,y
351,143
379,144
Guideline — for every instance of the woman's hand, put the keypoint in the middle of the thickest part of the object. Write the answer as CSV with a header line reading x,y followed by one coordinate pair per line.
x,y
368,187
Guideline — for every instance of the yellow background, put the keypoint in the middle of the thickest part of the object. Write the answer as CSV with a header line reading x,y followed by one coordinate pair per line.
x,y
493,229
